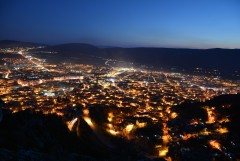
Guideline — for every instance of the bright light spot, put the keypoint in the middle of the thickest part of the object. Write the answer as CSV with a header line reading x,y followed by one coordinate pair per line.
x,y
188,136
194,122
86,112
49,94
110,126
215,145
141,124
113,132
110,117
211,115
71,123
205,132
112,80
129,127
89,122
163,152
173,115
224,120
222,130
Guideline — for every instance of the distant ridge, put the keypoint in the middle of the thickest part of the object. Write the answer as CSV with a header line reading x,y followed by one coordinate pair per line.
x,y
73,48
13,43
225,60
216,58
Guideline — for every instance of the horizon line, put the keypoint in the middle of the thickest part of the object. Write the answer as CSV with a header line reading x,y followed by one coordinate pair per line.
x,y
112,46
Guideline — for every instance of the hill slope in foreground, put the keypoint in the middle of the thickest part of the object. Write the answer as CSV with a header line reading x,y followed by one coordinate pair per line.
x,y
30,136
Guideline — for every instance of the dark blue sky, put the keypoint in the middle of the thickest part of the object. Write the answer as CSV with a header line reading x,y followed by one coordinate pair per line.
x,y
158,23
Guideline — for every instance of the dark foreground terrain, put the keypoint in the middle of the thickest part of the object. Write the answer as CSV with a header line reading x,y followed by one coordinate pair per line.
x,y
33,136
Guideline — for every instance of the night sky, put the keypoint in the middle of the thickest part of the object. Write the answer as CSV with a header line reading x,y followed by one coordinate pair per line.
x,y
126,23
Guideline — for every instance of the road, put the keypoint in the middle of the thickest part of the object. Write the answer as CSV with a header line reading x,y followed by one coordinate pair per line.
x,y
21,52
88,120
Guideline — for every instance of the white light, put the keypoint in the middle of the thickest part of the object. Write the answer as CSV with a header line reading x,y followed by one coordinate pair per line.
x,y
112,80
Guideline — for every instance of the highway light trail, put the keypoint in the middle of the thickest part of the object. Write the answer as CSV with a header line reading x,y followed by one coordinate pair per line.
x,y
71,123
33,62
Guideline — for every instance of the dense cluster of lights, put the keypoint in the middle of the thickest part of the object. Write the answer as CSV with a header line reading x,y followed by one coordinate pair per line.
x,y
50,88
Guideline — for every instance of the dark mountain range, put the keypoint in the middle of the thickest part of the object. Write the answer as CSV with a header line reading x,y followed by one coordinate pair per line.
x,y
225,60
221,59
73,48
13,44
